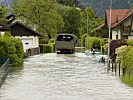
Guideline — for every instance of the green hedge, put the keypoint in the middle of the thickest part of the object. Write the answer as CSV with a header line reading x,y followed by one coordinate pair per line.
x,y
52,41
83,40
91,41
125,56
12,48
46,48
129,42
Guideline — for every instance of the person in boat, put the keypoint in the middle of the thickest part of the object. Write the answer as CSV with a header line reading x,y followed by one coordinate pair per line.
x,y
93,50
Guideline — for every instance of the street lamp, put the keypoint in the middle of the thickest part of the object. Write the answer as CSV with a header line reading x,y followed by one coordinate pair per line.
x,y
108,62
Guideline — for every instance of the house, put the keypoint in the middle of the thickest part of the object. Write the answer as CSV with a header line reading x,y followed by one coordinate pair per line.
x,y
29,37
121,23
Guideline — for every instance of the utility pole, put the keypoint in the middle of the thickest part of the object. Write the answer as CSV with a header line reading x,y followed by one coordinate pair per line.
x,y
108,62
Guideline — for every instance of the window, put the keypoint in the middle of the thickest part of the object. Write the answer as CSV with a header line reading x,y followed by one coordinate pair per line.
x,y
116,36
26,43
127,29
125,36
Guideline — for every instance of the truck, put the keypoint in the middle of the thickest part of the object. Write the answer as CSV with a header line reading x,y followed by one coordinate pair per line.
x,y
65,43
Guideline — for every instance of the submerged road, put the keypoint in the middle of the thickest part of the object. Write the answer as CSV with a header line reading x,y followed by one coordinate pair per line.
x,y
63,77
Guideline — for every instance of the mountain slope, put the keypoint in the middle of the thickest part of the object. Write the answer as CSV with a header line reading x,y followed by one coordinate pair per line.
x,y
100,6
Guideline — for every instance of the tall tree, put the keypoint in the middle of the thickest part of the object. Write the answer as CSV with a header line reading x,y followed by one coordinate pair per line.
x,y
69,2
3,11
40,14
88,22
71,17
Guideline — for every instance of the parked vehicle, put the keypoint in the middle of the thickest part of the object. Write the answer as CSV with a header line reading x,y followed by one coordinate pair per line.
x,y
65,43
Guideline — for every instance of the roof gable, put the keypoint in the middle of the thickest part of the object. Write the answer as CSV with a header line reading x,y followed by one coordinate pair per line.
x,y
118,16
19,29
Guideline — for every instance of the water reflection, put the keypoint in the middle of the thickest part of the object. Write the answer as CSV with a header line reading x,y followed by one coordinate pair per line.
x,y
63,77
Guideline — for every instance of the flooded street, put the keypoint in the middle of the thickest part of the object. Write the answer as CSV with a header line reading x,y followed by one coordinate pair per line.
x,y
63,77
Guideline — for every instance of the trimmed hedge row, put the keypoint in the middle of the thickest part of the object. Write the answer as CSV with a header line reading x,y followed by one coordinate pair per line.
x,y
47,48
93,41
125,56
12,48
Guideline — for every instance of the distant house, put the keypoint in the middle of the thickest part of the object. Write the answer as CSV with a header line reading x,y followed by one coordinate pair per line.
x,y
122,23
29,37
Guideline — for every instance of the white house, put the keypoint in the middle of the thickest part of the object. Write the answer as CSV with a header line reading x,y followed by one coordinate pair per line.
x,y
122,23
29,37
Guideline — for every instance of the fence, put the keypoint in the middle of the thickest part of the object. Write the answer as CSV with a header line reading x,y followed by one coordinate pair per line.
x,y
4,69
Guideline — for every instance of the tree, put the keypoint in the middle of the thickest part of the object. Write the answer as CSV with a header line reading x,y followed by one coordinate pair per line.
x,y
40,14
3,11
69,2
93,22
71,18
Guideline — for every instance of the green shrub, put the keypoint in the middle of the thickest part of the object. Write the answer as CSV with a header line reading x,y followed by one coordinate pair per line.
x,y
43,41
52,41
129,42
12,48
105,48
46,48
93,41
83,40
7,34
128,79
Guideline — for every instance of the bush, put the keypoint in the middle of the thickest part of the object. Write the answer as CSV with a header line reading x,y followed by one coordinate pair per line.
x,y
115,44
93,41
83,40
129,42
105,48
46,48
12,48
120,52
52,41
43,41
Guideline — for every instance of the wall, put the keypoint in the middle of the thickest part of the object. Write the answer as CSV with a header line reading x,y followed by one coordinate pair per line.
x,y
32,42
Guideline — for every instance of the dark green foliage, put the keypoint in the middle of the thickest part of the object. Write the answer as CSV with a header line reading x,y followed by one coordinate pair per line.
x,y
71,20
12,48
69,2
46,48
100,6
3,11
43,40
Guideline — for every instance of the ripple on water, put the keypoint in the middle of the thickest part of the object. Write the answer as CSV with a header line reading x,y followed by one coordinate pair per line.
x,y
64,77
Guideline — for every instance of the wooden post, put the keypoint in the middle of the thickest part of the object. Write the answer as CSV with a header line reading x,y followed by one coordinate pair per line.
x,y
109,64
112,67
123,71
115,68
119,69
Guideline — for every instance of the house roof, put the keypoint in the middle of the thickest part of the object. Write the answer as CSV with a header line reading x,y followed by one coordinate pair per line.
x,y
30,33
118,16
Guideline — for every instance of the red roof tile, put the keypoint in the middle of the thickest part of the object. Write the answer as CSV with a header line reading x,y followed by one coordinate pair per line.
x,y
118,15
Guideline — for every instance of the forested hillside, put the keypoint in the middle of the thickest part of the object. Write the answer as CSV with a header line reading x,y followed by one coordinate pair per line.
x,y
99,6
